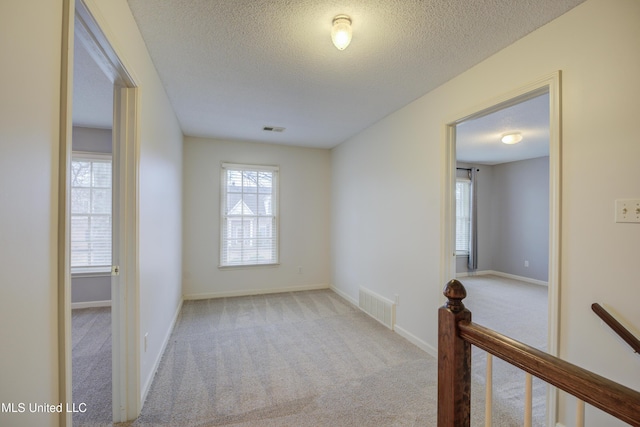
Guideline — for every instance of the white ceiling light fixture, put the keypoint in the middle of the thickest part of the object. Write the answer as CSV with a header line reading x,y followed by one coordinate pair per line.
x,y
511,138
341,31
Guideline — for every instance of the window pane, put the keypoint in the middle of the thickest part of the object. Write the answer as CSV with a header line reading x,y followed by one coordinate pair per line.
x,y
248,232
463,215
90,212
102,174
234,181
101,202
264,206
266,251
265,180
101,228
80,200
266,227
233,207
79,255
250,204
250,181
101,253
80,174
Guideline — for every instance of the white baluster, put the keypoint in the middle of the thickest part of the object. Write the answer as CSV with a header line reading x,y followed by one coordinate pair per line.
x,y
528,395
579,413
488,391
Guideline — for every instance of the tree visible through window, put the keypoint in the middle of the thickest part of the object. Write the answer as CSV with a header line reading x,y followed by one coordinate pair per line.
x,y
463,216
249,222
90,213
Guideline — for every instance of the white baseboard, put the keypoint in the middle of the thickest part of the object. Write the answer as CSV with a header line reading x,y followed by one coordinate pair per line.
x,y
90,304
246,292
156,363
343,295
416,341
501,274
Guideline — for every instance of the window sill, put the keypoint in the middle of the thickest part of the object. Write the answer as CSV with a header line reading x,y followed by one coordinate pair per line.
x,y
247,266
90,273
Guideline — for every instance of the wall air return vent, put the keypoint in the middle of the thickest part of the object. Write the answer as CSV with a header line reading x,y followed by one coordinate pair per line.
x,y
378,307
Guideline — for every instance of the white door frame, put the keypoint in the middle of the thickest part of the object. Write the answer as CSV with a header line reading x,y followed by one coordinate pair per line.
x,y
78,20
124,288
550,84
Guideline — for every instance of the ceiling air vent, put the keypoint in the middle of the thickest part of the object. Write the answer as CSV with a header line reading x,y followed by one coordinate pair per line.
x,y
273,129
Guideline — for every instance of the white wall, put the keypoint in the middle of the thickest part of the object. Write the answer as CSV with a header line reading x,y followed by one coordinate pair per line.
x,y
513,219
91,140
386,216
30,141
160,185
520,218
394,170
30,37
304,219
30,34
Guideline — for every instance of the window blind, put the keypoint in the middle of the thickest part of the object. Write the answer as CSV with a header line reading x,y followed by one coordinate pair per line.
x,y
249,215
463,215
90,213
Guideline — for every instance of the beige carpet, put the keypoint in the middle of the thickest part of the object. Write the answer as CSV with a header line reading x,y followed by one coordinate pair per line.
x,y
91,365
294,359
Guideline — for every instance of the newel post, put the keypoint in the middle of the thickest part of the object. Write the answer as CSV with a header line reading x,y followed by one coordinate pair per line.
x,y
454,360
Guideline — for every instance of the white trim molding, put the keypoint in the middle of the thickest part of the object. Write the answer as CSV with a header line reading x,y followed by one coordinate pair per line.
x,y
344,295
156,364
416,341
506,275
90,304
246,292
550,84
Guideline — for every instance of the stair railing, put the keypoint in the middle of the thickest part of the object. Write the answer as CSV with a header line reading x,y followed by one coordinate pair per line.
x,y
456,335
617,327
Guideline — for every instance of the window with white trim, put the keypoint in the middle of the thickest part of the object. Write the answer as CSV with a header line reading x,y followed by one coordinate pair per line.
x,y
249,215
463,215
90,213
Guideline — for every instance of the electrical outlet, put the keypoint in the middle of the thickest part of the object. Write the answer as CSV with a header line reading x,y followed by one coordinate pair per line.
x,y
628,210
526,263
299,269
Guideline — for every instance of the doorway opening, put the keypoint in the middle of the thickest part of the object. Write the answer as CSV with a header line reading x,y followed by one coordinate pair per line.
x,y
502,203
91,233
98,195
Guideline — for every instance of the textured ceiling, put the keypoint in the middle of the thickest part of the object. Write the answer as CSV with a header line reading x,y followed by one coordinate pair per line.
x,y
232,67
479,140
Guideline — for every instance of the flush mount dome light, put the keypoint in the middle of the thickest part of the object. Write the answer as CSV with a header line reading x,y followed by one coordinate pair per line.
x,y
511,138
341,31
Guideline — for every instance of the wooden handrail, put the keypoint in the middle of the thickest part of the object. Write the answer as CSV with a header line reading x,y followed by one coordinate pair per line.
x,y
613,398
456,334
617,327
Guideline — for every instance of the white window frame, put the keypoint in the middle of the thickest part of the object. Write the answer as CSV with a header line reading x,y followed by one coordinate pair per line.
x,y
92,270
256,232
466,216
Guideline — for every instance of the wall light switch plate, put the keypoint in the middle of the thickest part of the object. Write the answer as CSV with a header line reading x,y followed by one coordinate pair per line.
x,y
628,210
